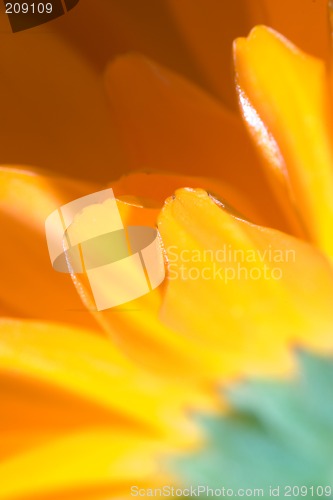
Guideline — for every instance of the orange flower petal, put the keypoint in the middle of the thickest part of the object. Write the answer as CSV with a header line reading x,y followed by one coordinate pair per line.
x,y
191,38
209,29
30,287
304,22
152,189
105,29
288,90
170,125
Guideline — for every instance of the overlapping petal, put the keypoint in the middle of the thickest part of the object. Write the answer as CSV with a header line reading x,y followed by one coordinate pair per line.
x,y
285,91
81,407
246,291
170,125
136,326
29,286
192,39
227,279
152,189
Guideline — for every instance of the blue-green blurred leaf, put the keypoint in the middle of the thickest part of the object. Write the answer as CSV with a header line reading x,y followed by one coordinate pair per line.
x,y
280,433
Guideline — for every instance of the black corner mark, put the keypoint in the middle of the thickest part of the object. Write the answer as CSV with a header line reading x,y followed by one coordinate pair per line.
x,y
70,4
24,15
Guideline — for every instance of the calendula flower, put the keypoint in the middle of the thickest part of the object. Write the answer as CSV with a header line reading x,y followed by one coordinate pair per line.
x,y
221,377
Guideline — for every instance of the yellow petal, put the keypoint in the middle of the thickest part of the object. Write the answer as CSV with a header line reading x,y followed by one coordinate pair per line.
x,y
249,292
137,327
206,329
34,412
288,90
89,367
76,415
96,459
29,285
168,124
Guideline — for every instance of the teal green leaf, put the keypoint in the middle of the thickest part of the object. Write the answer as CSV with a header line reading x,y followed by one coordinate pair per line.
x,y
279,434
